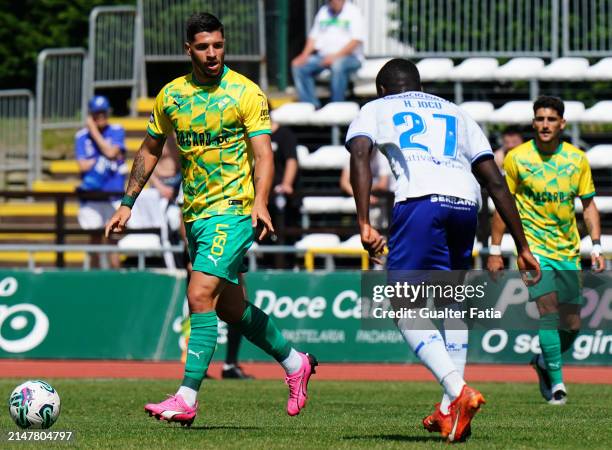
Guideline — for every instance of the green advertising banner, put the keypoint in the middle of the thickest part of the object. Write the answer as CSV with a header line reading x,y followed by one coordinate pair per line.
x,y
92,315
141,315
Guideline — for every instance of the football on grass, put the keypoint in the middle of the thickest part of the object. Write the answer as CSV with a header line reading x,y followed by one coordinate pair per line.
x,y
34,404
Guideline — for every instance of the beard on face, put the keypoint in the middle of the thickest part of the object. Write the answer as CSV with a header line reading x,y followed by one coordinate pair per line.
x,y
205,69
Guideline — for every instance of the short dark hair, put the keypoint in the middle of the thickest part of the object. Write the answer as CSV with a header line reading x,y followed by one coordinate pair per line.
x,y
200,22
512,129
546,101
397,76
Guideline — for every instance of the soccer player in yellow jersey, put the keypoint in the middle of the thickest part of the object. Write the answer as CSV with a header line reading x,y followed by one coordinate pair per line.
x,y
222,128
545,175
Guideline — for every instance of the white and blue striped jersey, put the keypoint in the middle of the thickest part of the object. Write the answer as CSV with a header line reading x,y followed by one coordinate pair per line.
x,y
430,143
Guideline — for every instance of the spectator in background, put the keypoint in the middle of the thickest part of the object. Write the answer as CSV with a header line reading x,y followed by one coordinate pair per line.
x,y
157,206
381,181
335,42
381,176
284,145
100,154
511,137
283,204
166,177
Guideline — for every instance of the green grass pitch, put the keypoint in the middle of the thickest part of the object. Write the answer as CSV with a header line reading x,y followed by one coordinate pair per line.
x,y
340,415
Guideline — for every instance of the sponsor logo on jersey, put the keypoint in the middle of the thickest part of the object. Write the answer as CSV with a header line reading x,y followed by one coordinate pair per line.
x,y
193,139
547,197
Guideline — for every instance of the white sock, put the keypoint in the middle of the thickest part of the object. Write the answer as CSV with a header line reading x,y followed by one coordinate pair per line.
x,y
453,383
457,347
228,366
188,394
429,346
292,363
558,387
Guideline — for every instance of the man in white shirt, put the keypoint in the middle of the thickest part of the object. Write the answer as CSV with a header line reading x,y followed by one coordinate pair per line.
x,y
335,42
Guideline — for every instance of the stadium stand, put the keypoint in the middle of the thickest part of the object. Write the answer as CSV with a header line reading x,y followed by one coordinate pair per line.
x,y
492,85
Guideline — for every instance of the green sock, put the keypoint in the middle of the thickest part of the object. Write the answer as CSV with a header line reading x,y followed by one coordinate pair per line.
x,y
259,328
550,343
567,339
200,349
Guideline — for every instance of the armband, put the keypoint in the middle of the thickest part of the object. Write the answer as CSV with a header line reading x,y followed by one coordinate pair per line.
x,y
128,201
495,250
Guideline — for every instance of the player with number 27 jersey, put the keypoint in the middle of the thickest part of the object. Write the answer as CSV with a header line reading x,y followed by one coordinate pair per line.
x,y
433,148
436,144
431,145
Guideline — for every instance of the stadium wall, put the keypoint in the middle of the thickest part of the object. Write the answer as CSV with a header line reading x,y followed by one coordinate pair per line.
x,y
140,316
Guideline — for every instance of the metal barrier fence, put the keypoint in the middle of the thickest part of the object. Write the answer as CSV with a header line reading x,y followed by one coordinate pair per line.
x,y
163,30
496,28
61,101
587,27
252,254
113,50
16,133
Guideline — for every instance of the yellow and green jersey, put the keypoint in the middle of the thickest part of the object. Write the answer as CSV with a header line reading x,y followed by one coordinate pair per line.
x,y
545,186
213,123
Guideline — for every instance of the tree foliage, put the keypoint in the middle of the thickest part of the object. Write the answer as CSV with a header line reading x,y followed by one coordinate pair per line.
x,y
29,26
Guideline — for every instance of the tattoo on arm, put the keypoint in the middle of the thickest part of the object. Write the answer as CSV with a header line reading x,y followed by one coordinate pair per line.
x,y
138,176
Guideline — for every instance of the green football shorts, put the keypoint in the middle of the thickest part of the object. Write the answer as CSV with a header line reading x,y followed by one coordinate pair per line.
x,y
217,245
562,277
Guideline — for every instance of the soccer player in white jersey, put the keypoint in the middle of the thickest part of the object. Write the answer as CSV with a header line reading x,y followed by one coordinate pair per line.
x,y
436,153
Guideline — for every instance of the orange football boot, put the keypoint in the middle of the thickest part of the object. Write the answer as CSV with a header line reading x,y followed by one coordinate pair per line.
x,y
462,410
437,422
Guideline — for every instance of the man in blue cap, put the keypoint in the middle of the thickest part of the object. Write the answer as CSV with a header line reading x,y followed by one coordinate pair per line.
x,y
100,153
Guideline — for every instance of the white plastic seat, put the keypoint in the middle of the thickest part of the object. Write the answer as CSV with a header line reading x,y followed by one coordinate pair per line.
x,y
574,110
519,69
479,111
320,240
473,69
152,211
565,69
140,241
586,245
354,242
600,112
602,70
299,113
370,68
336,113
302,154
600,157
323,205
513,112
604,204
327,157
434,69
365,88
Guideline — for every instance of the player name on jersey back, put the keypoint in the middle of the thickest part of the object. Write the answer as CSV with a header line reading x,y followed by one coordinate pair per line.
x,y
430,143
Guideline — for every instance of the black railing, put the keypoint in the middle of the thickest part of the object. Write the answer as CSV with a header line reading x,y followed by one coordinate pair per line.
x,y
60,229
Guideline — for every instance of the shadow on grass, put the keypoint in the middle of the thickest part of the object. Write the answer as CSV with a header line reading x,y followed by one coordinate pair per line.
x,y
218,427
394,437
